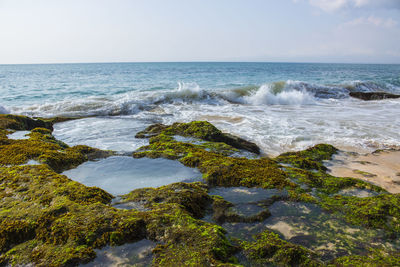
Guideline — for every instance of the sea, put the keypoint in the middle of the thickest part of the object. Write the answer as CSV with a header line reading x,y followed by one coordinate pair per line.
x,y
279,106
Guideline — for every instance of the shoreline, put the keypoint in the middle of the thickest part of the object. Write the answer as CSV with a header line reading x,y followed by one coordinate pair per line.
x,y
381,168
284,211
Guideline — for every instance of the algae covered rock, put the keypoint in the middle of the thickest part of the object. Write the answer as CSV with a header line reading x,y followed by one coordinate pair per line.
x,y
199,129
377,258
56,216
42,147
269,249
217,167
171,220
310,158
192,196
381,212
49,220
18,123
46,219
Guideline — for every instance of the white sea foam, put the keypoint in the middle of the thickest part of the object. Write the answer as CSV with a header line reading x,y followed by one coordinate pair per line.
x,y
266,95
280,116
3,110
277,93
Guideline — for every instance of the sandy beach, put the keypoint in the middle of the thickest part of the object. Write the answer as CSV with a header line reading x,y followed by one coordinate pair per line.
x,y
381,168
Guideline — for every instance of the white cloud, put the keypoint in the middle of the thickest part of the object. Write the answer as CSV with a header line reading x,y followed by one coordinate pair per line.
x,y
329,5
372,20
334,5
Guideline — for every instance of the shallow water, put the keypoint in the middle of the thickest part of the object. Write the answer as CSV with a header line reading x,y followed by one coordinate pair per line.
x,y
137,254
107,133
18,135
357,192
243,195
308,225
119,175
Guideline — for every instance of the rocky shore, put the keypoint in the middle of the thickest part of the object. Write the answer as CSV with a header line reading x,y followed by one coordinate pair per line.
x,y
47,219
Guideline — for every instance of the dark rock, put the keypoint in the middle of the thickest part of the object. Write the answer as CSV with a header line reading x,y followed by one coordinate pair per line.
x,y
373,95
18,123
238,142
151,131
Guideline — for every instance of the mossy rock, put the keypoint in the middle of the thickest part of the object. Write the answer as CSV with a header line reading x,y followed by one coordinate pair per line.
x,y
40,206
327,183
199,129
381,212
377,258
49,220
192,196
217,167
310,158
59,119
43,147
190,242
19,123
220,170
222,213
269,249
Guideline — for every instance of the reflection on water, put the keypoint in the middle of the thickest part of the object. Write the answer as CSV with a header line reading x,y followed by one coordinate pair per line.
x,y
308,225
136,254
18,135
238,195
119,175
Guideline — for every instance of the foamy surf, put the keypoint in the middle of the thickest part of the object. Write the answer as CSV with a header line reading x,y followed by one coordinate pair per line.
x,y
276,93
3,110
281,107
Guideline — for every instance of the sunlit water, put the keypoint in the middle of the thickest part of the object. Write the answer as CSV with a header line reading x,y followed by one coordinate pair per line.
x,y
280,106
119,175
138,254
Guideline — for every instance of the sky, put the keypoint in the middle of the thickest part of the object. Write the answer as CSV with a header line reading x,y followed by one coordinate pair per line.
x,y
67,31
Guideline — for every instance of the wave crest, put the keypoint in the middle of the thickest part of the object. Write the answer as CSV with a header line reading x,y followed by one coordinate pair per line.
x,y
279,94
276,93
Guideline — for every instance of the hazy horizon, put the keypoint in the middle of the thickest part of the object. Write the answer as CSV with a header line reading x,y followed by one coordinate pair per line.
x,y
123,31
144,62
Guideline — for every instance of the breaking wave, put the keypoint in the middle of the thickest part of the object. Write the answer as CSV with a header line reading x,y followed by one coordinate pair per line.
x,y
276,93
3,110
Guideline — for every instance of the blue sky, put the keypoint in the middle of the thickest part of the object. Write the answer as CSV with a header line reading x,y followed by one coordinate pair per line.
x,y
53,31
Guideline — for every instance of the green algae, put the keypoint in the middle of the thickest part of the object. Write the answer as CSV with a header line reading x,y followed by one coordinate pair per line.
x,y
310,158
377,258
326,183
60,215
217,168
193,243
305,178
43,147
364,173
65,221
49,220
269,249
379,212
199,129
18,123
192,196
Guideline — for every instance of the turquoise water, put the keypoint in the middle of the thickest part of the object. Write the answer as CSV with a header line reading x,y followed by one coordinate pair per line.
x,y
280,106
27,84
119,175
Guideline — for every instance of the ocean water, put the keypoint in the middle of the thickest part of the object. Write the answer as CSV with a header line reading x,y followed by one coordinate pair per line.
x,y
280,106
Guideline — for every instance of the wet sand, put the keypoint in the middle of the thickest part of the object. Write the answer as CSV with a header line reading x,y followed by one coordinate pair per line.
x,y
381,168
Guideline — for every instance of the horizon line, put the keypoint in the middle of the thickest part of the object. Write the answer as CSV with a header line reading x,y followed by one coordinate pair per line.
x,y
199,61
